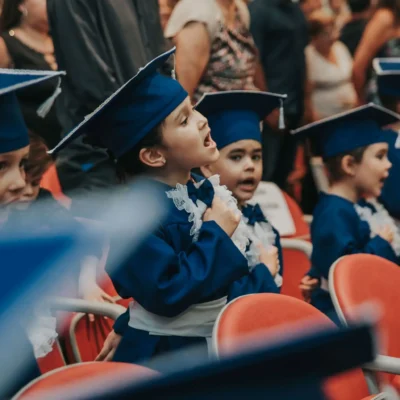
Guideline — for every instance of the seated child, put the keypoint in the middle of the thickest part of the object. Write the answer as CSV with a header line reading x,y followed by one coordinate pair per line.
x,y
234,119
354,150
180,277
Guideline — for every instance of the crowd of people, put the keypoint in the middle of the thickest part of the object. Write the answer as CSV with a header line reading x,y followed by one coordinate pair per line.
x,y
205,99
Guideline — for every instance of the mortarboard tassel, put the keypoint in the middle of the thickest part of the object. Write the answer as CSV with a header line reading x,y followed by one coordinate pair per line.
x,y
281,116
44,109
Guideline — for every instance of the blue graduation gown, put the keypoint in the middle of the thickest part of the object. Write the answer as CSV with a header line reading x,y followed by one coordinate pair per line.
x,y
336,231
390,196
170,272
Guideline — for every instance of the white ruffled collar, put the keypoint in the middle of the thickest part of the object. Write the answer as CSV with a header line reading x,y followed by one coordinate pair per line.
x,y
182,201
377,220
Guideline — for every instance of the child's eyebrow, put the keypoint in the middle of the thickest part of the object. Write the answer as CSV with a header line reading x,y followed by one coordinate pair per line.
x,y
237,151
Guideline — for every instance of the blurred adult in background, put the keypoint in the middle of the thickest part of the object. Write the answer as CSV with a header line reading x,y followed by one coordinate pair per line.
x,y
215,50
166,7
381,38
352,32
25,43
280,31
101,45
340,12
329,66
309,6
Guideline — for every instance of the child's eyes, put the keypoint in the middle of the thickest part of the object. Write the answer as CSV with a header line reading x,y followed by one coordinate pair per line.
x,y
23,163
256,158
236,158
3,166
381,156
185,121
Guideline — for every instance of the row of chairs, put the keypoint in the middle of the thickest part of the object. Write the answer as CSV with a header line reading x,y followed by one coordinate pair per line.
x,y
271,315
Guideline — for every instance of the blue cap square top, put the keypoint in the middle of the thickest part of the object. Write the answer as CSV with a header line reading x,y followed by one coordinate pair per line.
x,y
388,75
132,112
13,131
236,115
349,130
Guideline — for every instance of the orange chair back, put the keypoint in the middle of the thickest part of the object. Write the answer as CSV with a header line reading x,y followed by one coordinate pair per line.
x,y
302,228
51,183
296,265
359,278
74,375
53,360
264,313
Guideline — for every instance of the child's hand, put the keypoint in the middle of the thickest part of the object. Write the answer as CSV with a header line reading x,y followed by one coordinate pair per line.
x,y
270,258
225,217
386,233
96,293
109,347
307,286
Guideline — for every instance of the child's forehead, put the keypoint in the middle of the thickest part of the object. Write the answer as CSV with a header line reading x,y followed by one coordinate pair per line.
x,y
244,145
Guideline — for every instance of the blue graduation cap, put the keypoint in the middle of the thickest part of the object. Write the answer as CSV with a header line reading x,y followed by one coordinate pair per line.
x,y
236,115
350,130
388,73
128,115
13,131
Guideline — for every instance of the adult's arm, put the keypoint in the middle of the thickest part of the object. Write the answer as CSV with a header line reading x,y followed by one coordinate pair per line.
x,y
378,31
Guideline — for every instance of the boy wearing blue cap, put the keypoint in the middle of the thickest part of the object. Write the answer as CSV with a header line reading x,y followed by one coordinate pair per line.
x,y
388,81
181,276
234,118
14,152
354,149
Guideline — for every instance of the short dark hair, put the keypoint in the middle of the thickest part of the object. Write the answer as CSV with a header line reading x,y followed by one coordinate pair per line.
x,y
129,164
10,15
333,165
358,6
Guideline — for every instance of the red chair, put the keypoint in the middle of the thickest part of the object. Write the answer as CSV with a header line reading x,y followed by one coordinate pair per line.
x,y
55,359
359,278
300,223
264,313
75,376
51,183
296,261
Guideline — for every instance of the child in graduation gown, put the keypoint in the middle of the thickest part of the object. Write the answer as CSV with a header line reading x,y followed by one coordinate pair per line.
x,y
234,118
388,84
181,276
354,150
14,153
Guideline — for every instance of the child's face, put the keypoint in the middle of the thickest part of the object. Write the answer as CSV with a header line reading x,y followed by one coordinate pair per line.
x,y
370,174
240,168
187,142
29,193
12,175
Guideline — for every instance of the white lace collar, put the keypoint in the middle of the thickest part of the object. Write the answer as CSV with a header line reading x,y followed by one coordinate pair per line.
x,y
378,220
182,201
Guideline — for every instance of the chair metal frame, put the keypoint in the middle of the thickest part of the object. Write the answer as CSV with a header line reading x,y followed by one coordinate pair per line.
x,y
381,363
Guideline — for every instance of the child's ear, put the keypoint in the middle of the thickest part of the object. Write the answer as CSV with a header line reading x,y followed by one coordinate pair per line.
x,y
207,171
152,157
349,165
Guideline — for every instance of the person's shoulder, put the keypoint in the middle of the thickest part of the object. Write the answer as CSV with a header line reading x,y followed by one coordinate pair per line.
x,y
384,17
186,11
331,207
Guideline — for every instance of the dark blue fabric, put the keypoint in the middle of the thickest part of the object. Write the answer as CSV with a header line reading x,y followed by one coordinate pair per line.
x,y
390,196
205,192
170,272
336,231
132,112
346,132
253,214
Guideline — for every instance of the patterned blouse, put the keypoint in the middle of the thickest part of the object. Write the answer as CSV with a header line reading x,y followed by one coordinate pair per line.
x,y
233,57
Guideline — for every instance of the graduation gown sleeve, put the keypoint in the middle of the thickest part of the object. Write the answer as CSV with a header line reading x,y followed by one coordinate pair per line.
x,y
339,232
166,282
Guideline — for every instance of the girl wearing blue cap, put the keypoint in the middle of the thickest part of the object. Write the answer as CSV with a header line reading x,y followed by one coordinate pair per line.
x,y
234,118
354,150
14,153
182,274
